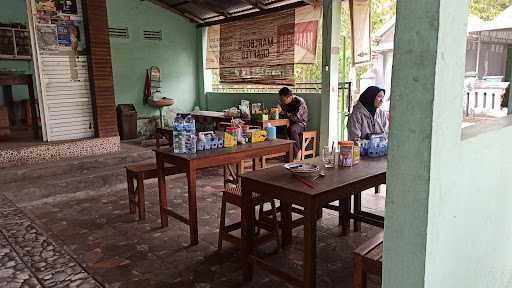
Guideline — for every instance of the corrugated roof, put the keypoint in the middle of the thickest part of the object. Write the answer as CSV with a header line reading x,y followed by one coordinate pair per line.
x,y
211,12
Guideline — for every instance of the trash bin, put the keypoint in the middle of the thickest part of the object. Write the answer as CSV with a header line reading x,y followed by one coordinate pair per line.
x,y
127,121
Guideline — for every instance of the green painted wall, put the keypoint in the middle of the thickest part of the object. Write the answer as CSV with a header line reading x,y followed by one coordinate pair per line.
x,y
176,54
448,205
15,11
221,101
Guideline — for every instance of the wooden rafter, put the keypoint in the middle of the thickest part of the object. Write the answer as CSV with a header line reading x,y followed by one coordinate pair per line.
x,y
256,4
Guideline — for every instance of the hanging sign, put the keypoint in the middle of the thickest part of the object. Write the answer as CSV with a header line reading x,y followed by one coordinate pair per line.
x,y
307,24
258,50
297,30
360,15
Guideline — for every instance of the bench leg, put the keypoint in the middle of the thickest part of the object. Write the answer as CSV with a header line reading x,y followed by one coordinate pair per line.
x,y
359,273
140,198
131,195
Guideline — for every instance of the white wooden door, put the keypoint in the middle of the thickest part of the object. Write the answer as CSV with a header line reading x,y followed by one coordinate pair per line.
x,y
63,84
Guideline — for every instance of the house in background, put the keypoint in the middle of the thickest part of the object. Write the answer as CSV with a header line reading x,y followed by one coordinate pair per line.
x,y
487,52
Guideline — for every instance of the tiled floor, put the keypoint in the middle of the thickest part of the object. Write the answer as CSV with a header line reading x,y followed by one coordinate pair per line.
x,y
122,252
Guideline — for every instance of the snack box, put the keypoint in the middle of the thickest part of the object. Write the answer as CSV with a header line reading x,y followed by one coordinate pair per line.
x,y
256,136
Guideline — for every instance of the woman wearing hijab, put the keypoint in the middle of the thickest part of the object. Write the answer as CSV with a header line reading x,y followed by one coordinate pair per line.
x,y
367,117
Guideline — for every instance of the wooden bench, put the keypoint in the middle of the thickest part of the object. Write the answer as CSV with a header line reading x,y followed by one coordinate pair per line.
x,y
139,172
368,260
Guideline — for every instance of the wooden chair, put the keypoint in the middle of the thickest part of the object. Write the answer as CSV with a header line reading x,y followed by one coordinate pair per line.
x,y
166,134
368,260
139,172
232,195
308,144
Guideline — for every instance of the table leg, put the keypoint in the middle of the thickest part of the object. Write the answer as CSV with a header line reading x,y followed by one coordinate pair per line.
x,y
310,213
162,192
140,198
290,153
344,219
131,192
192,204
357,210
33,110
157,139
247,232
286,223
9,102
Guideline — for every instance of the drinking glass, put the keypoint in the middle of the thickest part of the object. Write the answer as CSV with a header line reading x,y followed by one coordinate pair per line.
x,y
328,157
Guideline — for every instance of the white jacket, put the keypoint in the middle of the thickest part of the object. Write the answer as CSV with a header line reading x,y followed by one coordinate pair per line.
x,y
361,123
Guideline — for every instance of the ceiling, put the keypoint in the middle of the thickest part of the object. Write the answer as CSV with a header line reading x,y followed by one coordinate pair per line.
x,y
212,12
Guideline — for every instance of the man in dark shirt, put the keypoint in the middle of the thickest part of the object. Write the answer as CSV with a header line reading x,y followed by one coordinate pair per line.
x,y
295,109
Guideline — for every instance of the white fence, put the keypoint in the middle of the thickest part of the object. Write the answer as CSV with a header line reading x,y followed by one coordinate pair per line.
x,y
484,97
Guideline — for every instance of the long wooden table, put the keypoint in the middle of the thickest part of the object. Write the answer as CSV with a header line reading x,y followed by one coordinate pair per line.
x,y
277,183
190,163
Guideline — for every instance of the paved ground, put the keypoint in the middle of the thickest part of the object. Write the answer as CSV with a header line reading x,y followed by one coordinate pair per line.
x,y
119,251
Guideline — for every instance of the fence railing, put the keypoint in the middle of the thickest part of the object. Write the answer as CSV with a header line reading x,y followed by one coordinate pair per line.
x,y
344,91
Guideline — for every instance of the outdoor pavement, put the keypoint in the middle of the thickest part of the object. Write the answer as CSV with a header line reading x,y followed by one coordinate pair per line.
x,y
96,239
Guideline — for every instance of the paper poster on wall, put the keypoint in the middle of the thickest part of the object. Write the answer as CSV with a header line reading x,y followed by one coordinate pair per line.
x,y
47,37
63,34
68,6
360,15
213,47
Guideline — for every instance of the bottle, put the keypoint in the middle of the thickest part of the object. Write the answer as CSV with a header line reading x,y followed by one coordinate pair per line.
x,y
177,134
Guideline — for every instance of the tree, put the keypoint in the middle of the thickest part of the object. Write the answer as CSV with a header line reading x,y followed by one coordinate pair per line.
x,y
488,9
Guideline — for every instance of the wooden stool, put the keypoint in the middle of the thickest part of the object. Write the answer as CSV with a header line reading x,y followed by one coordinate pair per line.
x,y
232,195
308,137
368,259
140,172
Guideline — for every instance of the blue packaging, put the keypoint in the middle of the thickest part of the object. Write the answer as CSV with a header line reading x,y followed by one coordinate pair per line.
x,y
214,143
220,141
271,132
376,146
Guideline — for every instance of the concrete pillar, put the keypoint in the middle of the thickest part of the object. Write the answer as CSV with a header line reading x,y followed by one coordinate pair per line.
x,y
203,75
428,75
508,78
330,54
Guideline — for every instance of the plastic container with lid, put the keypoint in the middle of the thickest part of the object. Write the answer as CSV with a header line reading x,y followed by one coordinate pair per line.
x,y
230,137
346,155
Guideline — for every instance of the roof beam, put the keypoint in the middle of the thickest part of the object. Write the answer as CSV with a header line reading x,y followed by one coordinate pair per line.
x,y
168,7
208,6
256,4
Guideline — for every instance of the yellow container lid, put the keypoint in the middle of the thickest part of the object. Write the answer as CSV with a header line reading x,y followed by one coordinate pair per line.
x,y
346,143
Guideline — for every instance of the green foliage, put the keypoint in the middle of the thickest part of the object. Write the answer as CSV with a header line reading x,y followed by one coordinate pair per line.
x,y
488,9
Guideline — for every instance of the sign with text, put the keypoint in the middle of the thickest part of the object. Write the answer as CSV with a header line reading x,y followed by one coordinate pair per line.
x,y
307,25
258,49
263,49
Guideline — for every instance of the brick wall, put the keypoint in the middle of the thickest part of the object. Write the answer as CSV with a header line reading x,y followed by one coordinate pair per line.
x,y
100,67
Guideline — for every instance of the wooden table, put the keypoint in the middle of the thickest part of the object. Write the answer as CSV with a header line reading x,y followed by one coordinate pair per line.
x,y
275,123
190,163
9,80
278,183
205,117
